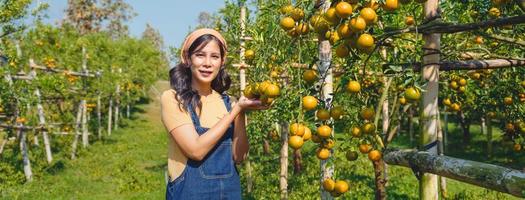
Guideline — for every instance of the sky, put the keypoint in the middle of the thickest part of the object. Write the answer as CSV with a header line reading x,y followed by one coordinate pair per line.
x,y
173,18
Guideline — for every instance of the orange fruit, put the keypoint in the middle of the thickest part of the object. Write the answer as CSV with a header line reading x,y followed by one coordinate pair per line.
x,y
509,127
329,144
342,51
323,153
351,155
412,94
322,114
356,131
478,40
249,54
447,102
344,30
353,87
302,28
334,37
307,134
287,23
262,86
272,91
309,102
297,129
343,9
331,17
402,101
374,155
368,128
309,75
365,41
368,14
295,142
455,107
409,20
297,14
494,12
517,147
328,184
462,89
453,85
336,112
324,131
341,186
391,5
507,101
367,113
365,148
462,82
358,24
287,9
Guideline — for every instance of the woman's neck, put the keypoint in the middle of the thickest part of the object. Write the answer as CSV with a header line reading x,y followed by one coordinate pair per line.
x,y
202,89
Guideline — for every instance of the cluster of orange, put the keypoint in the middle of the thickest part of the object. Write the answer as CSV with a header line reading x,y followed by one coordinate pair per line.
x,y
265,91
459,84
70,78
337,23
50,62
21,120
336,188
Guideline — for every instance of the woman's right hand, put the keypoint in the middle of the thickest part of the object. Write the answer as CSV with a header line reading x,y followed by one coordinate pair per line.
x,y
251,104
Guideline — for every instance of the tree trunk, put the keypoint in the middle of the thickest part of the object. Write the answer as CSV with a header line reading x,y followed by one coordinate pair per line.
x,y
428,184
297,161
411,126
465,126
484,175
249,181
380,181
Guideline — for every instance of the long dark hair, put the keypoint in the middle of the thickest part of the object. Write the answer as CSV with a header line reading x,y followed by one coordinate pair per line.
x,y
180,76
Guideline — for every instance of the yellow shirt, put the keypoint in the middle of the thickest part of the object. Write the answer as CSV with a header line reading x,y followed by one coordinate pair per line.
x,y
213,110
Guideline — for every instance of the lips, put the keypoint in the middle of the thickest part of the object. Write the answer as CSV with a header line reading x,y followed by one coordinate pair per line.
x,y
205,73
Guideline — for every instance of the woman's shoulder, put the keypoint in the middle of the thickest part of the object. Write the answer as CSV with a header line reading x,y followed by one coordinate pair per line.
x,y
169,96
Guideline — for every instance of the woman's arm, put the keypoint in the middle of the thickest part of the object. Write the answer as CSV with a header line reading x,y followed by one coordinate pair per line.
x,y
240,145
197,146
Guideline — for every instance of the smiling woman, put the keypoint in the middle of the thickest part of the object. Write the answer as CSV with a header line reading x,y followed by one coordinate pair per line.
x,y
207,131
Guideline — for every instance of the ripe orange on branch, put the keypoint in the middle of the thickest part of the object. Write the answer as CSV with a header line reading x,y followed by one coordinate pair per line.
x,y
309,102
296,142
343,9
324,131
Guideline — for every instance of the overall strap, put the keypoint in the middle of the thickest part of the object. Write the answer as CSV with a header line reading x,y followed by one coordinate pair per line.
x,y
194,117
226,100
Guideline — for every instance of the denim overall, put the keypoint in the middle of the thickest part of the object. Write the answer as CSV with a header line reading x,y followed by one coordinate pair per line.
x,y
215,177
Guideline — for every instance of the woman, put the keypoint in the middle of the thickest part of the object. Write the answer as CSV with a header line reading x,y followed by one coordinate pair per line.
x,y
207,132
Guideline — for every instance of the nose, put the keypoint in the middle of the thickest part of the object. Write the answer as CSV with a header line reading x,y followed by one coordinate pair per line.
x,y
208,61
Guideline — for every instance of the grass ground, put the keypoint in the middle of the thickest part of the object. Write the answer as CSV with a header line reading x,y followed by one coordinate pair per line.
x,y
130,164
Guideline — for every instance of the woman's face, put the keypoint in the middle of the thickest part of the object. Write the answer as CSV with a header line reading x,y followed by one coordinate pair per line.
x,y
206,63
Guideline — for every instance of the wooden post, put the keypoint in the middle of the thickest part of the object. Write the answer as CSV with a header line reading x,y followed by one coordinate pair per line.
x,y
110,114
428,184
77,132
411,125
42,122
445,131
441,152
117,100
489,137
25,156
99,111
282,129
85,136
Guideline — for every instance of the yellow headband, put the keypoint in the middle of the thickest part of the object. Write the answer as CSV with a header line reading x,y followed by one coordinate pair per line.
x,y
184,53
